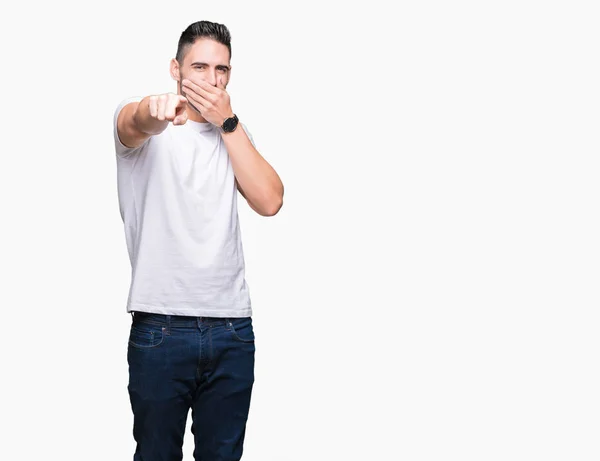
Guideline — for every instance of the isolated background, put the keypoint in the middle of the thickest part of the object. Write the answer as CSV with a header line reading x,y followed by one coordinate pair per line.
x,y
429,290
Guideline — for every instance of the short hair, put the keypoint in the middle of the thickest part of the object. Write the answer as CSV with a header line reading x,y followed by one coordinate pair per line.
x,y
202,29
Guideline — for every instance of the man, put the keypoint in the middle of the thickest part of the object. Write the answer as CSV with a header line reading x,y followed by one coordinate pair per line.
x,y
181,158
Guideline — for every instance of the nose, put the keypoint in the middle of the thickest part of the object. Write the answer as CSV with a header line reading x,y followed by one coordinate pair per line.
x,y
212,78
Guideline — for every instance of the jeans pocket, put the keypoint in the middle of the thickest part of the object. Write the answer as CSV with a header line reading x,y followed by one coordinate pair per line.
x,y
145,335
241,329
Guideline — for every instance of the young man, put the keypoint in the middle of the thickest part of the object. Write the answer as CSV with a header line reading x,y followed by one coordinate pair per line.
x,y
181,158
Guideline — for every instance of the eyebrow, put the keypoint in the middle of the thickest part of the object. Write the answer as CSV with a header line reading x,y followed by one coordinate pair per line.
x,y
205,64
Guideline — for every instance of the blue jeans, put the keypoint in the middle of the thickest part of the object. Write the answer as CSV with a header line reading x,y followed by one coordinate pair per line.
x,y
180,362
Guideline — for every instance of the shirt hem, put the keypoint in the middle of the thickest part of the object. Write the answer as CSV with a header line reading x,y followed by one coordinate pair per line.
x,y
195,312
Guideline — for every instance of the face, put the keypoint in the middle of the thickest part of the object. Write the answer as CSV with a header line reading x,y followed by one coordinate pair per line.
x,y
206,60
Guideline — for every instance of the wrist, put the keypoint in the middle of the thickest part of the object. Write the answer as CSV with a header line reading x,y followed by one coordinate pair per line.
x,y
230,124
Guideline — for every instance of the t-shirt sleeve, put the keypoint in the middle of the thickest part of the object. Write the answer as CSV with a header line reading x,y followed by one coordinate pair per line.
x,y
249,134
121,149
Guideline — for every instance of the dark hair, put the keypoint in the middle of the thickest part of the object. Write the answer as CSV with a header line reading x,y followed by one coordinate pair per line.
x,y
202,29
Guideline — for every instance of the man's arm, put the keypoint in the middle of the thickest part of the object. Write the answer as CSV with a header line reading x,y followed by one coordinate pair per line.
x,y
137,121
260,212
239,188
256,179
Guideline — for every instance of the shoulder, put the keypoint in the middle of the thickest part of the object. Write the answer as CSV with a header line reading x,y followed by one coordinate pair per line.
x,y
124,102
120,148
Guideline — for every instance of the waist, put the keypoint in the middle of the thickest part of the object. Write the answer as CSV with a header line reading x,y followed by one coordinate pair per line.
x,y
176,320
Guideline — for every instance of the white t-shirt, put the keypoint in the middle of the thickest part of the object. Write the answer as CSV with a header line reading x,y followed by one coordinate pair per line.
x,y
178,202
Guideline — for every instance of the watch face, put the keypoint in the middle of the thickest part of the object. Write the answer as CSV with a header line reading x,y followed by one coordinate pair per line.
x,y
230,124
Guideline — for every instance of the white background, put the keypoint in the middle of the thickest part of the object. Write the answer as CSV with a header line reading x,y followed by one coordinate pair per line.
x,y
429,290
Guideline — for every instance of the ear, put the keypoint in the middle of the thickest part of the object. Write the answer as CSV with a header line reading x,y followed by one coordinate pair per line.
x,y
174,69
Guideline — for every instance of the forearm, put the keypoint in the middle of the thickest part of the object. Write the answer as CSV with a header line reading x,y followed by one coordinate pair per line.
x,y
259,182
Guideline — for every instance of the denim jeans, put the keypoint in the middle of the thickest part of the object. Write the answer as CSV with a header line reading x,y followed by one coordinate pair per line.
x,y
180,362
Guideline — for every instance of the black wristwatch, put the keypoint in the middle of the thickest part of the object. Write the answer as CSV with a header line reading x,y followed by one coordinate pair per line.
x,y
230,124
